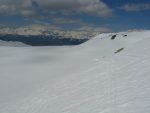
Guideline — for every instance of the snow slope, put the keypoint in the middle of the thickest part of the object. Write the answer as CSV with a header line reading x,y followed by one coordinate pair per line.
x,y
90,78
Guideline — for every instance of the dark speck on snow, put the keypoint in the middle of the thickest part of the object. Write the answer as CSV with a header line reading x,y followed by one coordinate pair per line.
x,y
113,37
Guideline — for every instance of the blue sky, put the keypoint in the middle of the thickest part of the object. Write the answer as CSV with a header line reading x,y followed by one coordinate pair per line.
x,y
114,15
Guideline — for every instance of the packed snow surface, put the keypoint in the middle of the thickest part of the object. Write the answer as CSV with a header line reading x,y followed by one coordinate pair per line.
x,y
103,75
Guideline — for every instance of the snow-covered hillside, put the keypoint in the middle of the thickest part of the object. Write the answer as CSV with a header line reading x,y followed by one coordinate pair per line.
x,y
107,74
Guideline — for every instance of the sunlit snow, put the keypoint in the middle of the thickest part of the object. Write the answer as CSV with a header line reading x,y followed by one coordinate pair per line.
x,y
95,77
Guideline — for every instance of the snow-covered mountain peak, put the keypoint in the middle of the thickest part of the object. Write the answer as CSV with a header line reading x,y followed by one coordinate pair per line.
x,y
107,44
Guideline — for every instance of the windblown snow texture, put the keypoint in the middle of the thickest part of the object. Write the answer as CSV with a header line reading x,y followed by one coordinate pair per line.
x,y
89,78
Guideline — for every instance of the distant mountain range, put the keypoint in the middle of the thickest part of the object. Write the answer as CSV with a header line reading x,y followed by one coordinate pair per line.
x,y
39,35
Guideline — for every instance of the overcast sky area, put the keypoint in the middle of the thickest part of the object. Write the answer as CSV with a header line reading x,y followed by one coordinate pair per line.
x,y
108,15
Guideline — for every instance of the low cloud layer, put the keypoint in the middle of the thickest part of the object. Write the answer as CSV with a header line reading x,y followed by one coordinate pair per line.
x,y
135,7
94,29
32,7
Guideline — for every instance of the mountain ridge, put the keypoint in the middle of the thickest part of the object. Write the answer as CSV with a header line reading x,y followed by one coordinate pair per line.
x,y
35,30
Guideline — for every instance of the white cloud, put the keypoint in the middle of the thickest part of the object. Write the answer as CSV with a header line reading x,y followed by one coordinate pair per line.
x,y
28,13
135,7
7,9
81,25
95,7
68,21
14,7
26,7
94,29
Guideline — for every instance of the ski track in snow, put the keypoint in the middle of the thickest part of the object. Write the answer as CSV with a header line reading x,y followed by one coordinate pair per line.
x,y
116,83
